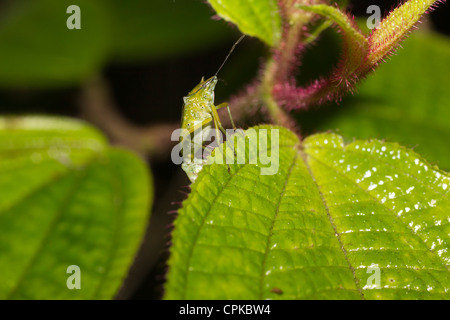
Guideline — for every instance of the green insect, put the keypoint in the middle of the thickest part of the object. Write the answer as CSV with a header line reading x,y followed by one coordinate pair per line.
x,y
199,112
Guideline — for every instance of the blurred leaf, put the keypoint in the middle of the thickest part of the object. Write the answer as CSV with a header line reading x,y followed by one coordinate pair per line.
x,y
406,100
37,49
311,230
67,199
161,28
256,18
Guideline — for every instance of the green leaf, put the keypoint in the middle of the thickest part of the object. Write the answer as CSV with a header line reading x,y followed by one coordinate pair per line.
x,y
38,50
256,18
311,230
406,101
67,199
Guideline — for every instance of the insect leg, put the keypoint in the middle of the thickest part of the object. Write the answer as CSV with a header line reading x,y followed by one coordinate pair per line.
x,y
216,118
229,113
218,124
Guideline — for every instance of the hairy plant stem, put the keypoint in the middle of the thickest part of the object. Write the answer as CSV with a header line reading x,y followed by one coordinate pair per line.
x,y
277,114
280,67
286,55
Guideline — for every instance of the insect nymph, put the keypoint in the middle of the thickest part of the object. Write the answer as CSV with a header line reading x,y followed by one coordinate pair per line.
x,y
198,113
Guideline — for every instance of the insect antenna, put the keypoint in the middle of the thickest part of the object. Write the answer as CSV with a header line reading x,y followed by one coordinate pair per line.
x,y
229,53
223,63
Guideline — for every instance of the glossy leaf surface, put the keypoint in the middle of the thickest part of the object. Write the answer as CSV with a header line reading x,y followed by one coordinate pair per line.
x,y
318,228
67,199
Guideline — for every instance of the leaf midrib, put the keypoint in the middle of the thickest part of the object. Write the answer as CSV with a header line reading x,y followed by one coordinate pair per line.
x,y
36,190
269,236
67,199
378,201
330,219
115,241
